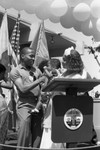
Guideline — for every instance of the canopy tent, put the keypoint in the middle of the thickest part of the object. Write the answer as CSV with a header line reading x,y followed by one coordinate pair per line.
x,y
57,43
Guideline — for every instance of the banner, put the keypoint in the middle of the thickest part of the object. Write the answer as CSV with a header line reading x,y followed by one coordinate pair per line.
x,y
42,47
4,42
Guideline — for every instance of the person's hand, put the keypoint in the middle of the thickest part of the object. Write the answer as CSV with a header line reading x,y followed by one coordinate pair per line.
x,y
34,111
45,97
42,79
48,72
54,72
10,111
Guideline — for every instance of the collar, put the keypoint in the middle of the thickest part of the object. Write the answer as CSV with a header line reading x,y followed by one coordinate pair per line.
x,y
23,67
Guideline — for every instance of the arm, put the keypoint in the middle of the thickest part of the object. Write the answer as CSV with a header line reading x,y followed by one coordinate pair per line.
x,y
38,106
43,99
36,109
18,81
25,88
6,85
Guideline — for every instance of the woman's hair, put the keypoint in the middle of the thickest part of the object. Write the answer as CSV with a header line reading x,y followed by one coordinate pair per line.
x,y
2,68
73,62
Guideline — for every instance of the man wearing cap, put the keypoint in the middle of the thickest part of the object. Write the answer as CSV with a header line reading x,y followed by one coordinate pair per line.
x,y
27,79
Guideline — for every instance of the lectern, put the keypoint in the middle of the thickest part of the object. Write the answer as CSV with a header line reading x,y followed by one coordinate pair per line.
x,y
72,111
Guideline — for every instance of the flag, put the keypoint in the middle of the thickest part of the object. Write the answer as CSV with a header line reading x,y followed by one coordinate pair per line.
x,y
4,47
15,37
6,52
42,52
14,40
14,47
4,42
35,29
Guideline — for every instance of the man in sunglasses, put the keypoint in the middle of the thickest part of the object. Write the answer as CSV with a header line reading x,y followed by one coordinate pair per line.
x,y
28,79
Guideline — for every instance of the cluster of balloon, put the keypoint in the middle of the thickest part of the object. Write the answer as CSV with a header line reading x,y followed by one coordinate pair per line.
x,y
82,15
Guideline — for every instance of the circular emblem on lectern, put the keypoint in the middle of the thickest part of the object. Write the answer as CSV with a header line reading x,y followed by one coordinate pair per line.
x,y
73,119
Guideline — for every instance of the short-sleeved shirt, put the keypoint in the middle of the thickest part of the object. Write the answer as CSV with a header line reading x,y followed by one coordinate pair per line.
x,y
30,98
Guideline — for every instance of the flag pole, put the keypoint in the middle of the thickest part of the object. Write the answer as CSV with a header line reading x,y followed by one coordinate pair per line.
x,y
18,47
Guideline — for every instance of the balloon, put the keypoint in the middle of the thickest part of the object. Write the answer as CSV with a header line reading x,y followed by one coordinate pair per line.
x,y
95,8
96,35
98,24
43,10
59,7
77,26
95,32
34,3
2,9
87,1
19,4
81,12
87,27
54,19
6,3
73,3
28,17
67,20
30,9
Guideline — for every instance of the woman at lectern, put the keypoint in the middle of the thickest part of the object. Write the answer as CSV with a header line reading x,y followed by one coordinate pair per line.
x,y
73,67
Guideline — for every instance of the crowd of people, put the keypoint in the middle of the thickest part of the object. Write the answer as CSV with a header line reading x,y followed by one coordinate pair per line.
x,y
34,107
4,117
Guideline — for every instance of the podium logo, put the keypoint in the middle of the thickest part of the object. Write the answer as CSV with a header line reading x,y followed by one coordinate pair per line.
x,y
73,119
